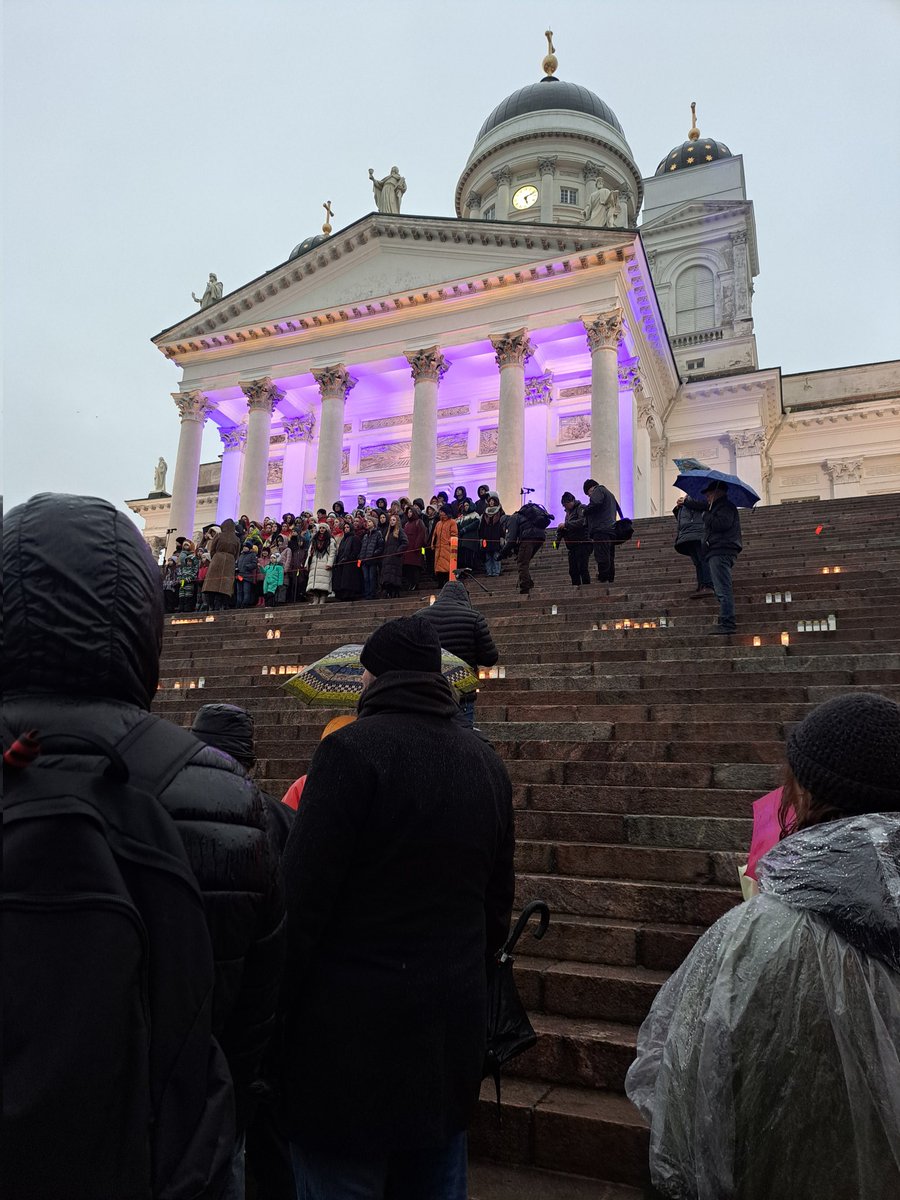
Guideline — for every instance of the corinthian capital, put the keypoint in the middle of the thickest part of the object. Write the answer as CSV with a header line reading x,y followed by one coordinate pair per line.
x,y
334,382
193,406
538,390
547,164
845,470
747,442
502,174
233,437
630,377
473,200
428,364
299,429
512,349
262,394
605,330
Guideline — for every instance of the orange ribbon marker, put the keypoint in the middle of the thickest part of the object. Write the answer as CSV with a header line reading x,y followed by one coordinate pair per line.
x,y
819,529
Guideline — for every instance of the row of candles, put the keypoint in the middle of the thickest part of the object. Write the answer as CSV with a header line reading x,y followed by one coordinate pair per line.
x,y
492,673
823,625
185,685
192,620
627,623
282,670
784,638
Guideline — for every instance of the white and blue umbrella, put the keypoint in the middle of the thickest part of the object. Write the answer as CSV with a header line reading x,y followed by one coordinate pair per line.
x,y
739,493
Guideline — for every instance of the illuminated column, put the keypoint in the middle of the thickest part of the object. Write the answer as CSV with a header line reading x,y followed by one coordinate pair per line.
x,y
538,398
749,446
547,171
334,384
233,441
298,432
194,408
604,333
661,478
846,476
428,369
262,396
512,350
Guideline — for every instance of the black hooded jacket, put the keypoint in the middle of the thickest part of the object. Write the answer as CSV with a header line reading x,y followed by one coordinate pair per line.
x,y
461,628
83,616
399,879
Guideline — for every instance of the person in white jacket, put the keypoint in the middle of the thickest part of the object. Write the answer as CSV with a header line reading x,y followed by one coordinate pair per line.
x,y
320,563
769,1065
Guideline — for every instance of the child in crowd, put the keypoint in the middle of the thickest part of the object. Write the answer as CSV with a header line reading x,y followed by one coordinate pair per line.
x,y
273,579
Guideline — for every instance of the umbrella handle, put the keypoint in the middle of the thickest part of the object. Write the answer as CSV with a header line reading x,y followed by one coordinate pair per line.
x,y
533,906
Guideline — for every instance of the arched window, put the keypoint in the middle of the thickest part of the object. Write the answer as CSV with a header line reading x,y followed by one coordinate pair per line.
x,y
695,300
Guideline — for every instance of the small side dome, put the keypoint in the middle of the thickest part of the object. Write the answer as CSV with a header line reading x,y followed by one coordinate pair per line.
x,y
307,244
697,151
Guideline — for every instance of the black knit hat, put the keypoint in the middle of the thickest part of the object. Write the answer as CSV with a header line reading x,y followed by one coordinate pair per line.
x,y
406,644
847,753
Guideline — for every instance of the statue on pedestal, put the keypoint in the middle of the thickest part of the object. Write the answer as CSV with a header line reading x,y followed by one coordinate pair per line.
x,y
388,191
211,295
159,475
602,208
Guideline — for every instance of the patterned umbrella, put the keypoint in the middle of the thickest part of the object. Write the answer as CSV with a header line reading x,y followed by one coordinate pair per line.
x,y
335,681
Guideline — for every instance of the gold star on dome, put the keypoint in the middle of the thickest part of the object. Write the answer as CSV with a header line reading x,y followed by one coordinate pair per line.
x,y
709,158
690,160
707,147
673,166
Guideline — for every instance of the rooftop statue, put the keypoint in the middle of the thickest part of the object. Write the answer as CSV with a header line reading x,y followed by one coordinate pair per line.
x,y
211,295
159,475
388,191
602,208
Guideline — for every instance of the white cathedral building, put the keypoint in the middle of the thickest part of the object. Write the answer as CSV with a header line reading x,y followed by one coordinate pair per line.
x,y
572,318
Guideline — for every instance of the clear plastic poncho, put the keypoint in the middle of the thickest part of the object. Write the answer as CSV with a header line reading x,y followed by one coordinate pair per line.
x,y
769,1065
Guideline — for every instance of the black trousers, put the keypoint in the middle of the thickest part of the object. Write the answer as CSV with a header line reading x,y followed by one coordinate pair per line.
x,y
605,556
579,560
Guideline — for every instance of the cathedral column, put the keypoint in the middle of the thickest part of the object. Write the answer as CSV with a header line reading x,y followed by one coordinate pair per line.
x,y
298,432
503,177
428,367
659,492
538,398
473,204
846,476
334,385
749,446
604,333
512,351
629,387
194,408
547,171
262,396
234,439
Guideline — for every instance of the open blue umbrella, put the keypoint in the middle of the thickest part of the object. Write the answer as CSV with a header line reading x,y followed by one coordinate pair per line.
x,y
739,493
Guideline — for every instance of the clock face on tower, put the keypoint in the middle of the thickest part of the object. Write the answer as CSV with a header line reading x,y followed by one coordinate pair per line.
x,y
525,197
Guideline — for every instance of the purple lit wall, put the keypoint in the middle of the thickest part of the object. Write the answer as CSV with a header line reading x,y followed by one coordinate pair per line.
x,y
626,452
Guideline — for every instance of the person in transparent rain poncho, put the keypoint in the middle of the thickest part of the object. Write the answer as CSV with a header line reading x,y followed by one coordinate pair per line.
x,y
769,1065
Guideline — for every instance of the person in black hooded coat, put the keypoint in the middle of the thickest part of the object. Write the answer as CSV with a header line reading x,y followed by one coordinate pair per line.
x,y
82,639
463,631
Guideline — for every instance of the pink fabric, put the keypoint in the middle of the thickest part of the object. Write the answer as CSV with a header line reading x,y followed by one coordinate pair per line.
x,y
292,796
766,828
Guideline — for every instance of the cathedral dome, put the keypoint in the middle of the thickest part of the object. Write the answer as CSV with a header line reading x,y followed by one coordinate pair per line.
x,y
697,151
550,93
307,244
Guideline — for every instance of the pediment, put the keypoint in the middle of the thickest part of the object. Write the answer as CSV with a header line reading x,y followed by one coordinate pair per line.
x,y
696,210
381,257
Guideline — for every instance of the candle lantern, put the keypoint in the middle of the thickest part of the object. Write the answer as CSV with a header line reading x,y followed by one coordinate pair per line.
x,y
785,638
757,641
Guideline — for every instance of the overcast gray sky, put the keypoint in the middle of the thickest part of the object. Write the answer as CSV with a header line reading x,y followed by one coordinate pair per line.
x,y
148,142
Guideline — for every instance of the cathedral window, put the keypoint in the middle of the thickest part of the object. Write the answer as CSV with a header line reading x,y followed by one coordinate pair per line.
x,y
695,300
568,195
489,213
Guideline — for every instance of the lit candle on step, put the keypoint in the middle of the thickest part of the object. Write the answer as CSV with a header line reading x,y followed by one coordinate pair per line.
x,y
836,570
553,610
826,570
785,638
270,633
757,641
278,633
832,621
177,684
265,671
431,599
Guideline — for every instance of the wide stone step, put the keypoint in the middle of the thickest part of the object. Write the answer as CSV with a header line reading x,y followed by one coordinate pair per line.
x,y
582,1131
594,860
498,1181
646,774
587,750
593,991
615,899
578,1052
579,937
707,833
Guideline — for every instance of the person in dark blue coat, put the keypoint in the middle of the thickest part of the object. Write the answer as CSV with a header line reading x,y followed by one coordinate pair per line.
x,y
721,545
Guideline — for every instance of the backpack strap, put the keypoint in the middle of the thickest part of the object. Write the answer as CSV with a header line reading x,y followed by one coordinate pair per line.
x,y
619,511
154,751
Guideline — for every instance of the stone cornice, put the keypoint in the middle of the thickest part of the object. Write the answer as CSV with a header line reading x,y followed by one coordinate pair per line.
x,y
569,250
693,213
837,416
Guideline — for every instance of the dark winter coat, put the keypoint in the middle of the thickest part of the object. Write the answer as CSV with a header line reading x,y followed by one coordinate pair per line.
x,y
491,529
574,529
224,549
461,628
455,506
721,526
371,546
392,563
601,510
399,878
346,577
246,564
416,538
689,531
86,661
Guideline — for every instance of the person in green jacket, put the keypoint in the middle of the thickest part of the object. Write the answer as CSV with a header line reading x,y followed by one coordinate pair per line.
x,y
273,578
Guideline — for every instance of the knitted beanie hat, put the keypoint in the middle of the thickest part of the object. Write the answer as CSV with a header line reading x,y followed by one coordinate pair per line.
x,y
406,644
847,753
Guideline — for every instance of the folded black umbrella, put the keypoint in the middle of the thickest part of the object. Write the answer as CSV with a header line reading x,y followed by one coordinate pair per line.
x,y
509,1031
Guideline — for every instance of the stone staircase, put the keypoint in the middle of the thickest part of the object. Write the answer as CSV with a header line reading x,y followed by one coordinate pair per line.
x,y
635,754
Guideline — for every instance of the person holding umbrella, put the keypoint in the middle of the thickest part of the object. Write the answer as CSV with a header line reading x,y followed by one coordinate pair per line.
x,y
721,544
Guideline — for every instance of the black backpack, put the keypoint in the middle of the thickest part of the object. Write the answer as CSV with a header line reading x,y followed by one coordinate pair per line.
x,y
535,514
113,1085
